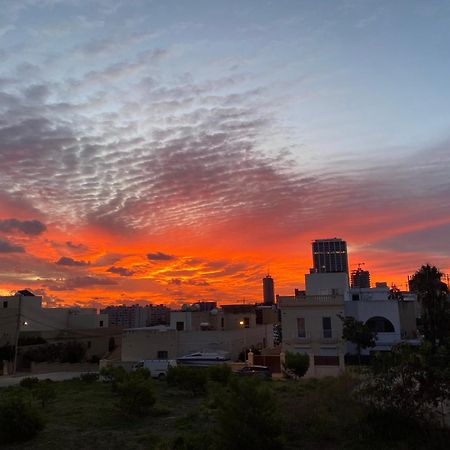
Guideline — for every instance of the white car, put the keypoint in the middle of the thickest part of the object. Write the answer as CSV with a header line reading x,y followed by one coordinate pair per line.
x,y
158,367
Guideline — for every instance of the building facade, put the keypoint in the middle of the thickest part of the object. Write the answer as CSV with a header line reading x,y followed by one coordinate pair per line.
x,y
391,317
360,278
329,255
311,325
26,309
137,316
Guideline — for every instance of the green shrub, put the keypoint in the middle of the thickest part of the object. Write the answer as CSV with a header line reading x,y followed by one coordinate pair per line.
x,y
19,419
136,396
220,374
296,363
113,375
140,374
188,378
71,352
247,417
29,382
45,392
89,377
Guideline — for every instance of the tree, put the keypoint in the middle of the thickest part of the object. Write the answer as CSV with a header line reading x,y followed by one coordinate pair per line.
x,y
410,382
358,333
297,363
432,294
136,396
20,420
247,417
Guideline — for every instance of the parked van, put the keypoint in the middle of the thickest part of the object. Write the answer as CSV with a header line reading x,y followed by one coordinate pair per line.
x,y
158,367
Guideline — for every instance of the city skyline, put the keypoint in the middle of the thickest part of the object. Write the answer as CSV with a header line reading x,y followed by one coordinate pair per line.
x,y
171,153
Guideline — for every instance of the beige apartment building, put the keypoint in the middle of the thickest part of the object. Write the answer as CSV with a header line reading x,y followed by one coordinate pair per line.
x,y
311,325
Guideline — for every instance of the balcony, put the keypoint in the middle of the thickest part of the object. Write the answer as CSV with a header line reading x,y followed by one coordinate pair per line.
x,y
312,300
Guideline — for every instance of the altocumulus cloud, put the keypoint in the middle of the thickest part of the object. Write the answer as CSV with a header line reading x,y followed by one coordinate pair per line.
x,y
122,271
29,227
8,247
66,261
159,256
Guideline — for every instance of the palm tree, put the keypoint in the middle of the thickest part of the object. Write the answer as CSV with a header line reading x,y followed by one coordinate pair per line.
x,y
432,294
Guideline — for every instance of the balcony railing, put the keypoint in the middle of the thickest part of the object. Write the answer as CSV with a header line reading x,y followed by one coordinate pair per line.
x,y
312,300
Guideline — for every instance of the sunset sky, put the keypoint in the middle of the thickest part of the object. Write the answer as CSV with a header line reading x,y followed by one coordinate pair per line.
x,y
175,151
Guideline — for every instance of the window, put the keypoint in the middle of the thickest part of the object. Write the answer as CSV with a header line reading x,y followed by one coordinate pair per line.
x,y
5,304
326,325
89,344
246,322
163,354
101,323
301,330
222,322
180,326
355,297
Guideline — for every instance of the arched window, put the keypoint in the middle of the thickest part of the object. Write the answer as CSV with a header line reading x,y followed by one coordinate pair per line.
x,y
380,325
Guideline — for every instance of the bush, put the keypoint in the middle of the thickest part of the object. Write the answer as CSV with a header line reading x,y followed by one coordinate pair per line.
x,y
136,396
247,417
44,391
188,378
89,377
317,411
29,382
296,363
220,374
71,352
19,419
140,374
113,375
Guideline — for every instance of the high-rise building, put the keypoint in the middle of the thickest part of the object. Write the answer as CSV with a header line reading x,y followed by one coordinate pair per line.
x,y
135,316
268,290
329,256
360,278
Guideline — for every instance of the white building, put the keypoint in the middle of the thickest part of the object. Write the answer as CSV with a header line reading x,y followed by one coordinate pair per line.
x,y
231,329
310,324
391,315
26,309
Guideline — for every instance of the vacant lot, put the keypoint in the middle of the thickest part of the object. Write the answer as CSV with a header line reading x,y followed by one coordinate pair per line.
x,y
314,414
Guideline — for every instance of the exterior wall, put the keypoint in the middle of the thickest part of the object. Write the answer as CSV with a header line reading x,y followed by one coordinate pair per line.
x,y
96,340
326,284
266,315
193,320
145,343
366,303
137,316
34,317
408,322
232,321
326,354
79,319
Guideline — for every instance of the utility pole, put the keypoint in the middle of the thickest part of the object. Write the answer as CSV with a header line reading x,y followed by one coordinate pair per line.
x,y
19,314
